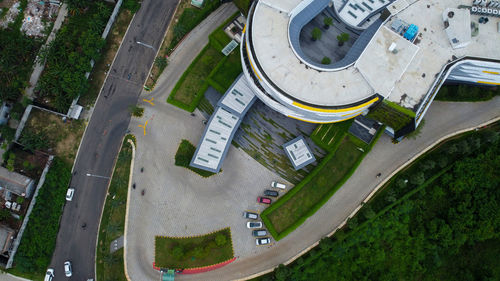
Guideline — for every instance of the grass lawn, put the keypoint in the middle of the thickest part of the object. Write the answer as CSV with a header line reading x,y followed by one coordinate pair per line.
x,y
110,266
63,137
392,115
192,85
226,72
317,188
184,155
327,135
191,252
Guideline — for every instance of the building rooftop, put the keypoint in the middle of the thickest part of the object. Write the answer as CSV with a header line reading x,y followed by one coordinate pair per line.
x,y
223,123
286,71
14,182
406,77
299,153
382,67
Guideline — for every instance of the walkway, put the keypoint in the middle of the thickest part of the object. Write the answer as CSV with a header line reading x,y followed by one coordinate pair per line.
x,y
37,71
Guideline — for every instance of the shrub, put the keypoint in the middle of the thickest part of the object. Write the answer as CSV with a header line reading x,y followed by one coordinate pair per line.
x,y
178,252
4,214
220,239
316,34
136,111
11,161
326,60
34,140
418,178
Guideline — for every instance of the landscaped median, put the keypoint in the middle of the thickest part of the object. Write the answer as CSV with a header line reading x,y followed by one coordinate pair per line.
x,y
291,210
110,266
195,252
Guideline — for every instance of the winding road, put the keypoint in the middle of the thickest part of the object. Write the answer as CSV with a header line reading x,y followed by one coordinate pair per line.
x,y
76,240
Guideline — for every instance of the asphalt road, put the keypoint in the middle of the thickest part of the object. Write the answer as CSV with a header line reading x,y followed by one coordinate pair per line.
x,y
102,139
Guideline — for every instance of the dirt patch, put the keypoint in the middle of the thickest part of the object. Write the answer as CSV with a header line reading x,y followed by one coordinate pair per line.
x,y
7,3
63,136
109,51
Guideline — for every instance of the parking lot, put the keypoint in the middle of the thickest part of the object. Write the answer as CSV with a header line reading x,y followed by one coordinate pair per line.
x,y
178,202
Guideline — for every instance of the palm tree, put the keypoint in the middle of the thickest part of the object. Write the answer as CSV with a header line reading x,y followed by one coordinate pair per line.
x,y
327,22
343,37
316,34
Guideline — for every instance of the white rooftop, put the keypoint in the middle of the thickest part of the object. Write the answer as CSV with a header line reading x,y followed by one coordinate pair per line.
x,y
238,97
355,11
378,61
298,152
458,30
270,41
215,140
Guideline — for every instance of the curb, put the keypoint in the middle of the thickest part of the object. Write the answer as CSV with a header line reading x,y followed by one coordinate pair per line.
x,y
382,183
126,211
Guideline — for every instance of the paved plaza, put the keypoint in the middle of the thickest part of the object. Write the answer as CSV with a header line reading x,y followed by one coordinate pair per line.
x,y
178,202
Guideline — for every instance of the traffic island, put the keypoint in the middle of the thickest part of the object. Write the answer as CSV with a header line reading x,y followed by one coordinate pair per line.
x,y
194,254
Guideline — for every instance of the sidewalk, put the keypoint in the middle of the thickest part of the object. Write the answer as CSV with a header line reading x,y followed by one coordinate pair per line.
x,y
37,71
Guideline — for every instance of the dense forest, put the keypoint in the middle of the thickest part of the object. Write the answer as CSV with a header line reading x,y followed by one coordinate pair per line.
x,y
68,56
448,230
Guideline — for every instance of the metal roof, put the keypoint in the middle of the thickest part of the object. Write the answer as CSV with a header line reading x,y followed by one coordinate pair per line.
x,y
222,126
299,153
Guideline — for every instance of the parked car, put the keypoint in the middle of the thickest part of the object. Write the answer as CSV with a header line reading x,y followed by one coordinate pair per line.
x,y
49,275
264,200
256,224
262,241
250,215
276,184
70,193
272,193
259,232
67,269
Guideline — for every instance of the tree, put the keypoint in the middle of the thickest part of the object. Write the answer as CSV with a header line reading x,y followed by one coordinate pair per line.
x,y
326,60
342,38
136,111
418,178
316,34
161,62
327,21
4,214
282,273
428,165
11,161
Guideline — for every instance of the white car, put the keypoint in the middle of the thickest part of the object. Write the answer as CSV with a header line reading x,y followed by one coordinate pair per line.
x,y
49,275
67,269
70,193
262,241
276,184
254,224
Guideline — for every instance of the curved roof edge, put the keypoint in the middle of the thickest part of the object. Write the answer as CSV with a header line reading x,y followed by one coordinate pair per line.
x,y
306,13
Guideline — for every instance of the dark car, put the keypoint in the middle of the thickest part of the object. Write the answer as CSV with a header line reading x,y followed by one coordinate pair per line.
x,y
264,200
272,193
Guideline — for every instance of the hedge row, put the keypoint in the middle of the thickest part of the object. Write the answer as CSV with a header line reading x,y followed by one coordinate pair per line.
x,y
291,193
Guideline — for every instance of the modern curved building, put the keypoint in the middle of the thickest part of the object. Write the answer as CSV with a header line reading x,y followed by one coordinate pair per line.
x,y
403,51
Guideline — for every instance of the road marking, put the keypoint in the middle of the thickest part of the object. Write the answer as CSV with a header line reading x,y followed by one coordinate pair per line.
x,y
149,101
144,126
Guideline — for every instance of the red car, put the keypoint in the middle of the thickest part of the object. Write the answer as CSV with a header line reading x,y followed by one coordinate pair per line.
x,y
264,200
